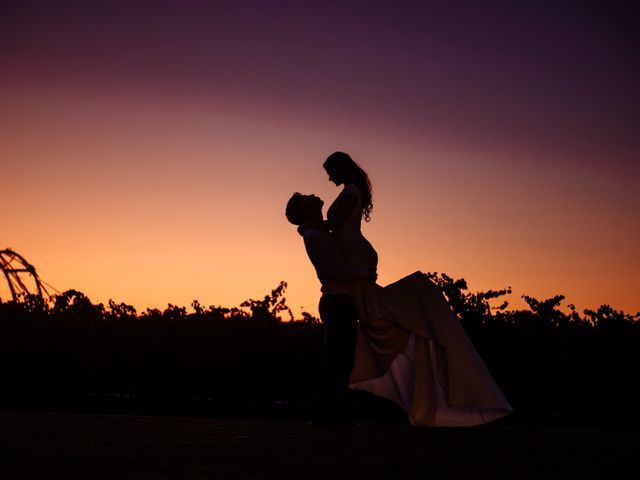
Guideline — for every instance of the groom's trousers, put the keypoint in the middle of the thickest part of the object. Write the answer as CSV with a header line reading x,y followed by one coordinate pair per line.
x,y
339,316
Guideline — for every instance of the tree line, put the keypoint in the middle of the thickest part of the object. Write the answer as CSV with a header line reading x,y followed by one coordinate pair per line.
x,y
555,367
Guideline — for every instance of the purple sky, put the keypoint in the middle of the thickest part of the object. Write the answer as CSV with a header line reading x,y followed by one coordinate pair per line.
x,y
542,75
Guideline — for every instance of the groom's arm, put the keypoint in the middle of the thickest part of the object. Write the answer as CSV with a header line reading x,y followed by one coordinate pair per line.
x,y
327,259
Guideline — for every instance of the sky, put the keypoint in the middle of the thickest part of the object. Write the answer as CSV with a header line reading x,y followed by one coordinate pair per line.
x,y
147,149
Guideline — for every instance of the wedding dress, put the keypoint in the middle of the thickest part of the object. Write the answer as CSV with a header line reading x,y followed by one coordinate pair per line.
x,y
355,248
411,348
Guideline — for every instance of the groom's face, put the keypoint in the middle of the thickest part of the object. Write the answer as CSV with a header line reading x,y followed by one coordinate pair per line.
x,y
316,201
313,206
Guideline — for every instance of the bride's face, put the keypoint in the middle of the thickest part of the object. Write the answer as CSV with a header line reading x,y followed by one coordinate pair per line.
x,y
334,177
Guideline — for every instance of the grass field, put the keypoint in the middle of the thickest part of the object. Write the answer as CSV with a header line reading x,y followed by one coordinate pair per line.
x,y
42,445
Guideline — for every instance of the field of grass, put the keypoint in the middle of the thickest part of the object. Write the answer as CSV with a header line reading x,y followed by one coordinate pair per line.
x,y
38,445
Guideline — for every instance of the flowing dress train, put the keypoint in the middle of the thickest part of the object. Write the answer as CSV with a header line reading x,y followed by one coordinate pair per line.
x,y
412,350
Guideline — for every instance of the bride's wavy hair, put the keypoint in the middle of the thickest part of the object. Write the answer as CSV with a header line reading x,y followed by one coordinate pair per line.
x,y
342,166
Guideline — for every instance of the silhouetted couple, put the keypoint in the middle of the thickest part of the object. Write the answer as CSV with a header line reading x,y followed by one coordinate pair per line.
x,y
402,341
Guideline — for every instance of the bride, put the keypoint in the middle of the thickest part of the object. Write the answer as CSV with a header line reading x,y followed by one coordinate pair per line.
x,y
410,346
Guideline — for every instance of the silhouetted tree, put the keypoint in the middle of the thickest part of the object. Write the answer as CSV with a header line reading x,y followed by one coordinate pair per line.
x,y
268,309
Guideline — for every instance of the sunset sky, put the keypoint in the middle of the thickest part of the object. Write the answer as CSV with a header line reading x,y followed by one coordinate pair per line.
x,y
147,149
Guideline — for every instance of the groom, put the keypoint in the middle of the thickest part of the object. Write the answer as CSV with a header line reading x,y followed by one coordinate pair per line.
x,y
337,309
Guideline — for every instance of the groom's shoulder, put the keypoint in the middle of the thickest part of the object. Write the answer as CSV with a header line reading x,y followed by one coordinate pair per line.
x,y
317,239
316,234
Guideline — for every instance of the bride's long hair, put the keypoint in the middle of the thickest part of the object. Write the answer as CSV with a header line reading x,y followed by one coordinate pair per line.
x,y
341,166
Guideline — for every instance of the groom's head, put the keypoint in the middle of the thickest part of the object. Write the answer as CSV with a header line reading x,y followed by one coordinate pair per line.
x,y
303,208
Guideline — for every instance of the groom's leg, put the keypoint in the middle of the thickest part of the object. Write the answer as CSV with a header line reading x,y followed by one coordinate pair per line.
x,y
339,316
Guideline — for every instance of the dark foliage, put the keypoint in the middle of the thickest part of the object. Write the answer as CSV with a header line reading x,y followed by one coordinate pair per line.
x,y
555,367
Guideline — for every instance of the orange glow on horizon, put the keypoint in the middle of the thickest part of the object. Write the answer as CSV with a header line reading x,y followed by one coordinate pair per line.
x,y
147,150
168,213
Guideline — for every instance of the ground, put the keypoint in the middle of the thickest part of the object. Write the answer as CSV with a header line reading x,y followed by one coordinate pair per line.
x,y
80,446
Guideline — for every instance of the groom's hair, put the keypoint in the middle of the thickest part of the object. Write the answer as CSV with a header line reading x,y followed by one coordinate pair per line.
x,y
295,211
